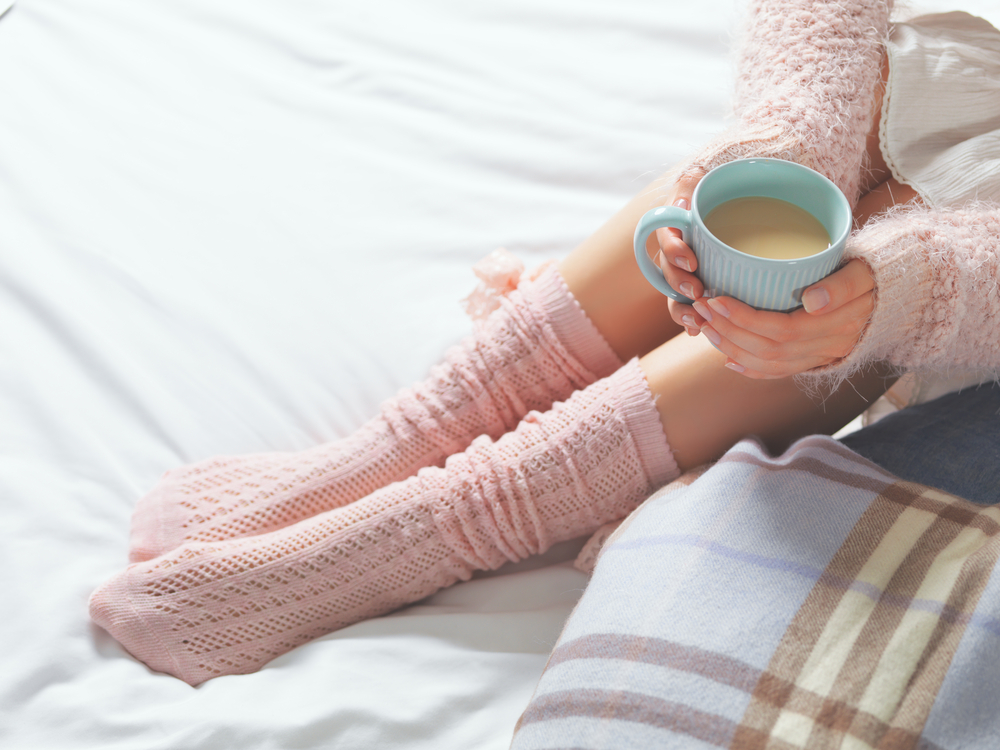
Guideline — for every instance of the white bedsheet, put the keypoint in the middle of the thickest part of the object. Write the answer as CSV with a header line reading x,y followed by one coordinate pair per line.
x,y
231,226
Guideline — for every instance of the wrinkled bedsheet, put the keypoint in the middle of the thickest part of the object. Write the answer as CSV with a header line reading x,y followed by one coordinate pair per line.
x,y
232,227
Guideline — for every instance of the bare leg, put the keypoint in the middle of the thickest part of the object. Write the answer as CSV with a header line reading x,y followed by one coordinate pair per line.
x,y
706,408
603,276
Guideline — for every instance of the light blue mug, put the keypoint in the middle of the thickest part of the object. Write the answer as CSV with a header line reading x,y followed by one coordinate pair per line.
x,y
763,283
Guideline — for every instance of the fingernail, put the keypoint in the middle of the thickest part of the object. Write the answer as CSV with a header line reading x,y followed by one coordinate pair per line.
x,y
815,299
682,203
687,290
689,321
681,262
719,307
702,309
711,335
735,367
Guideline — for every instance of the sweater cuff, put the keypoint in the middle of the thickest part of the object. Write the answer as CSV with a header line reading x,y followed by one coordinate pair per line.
x,y
935,280
773,141
901,290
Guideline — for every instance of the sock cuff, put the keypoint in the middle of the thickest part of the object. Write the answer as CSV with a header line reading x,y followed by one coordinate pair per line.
x,y
643,420
570,323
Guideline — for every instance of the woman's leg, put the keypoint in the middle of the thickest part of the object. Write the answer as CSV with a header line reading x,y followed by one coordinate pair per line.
x,y
205,610
229,607
552,337
540,347
603,276
705,408
537,348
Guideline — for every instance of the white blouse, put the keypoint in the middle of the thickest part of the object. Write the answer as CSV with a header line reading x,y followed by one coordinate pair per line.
x,y
940,130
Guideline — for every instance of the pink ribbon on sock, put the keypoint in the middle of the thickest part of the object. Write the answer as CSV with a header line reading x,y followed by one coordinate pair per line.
x,y
499,273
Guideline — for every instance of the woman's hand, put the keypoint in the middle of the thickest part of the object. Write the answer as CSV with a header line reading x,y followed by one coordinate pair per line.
x,y
677,261
768,345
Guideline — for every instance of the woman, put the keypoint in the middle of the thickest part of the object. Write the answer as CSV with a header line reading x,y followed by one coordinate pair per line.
x,y
575,398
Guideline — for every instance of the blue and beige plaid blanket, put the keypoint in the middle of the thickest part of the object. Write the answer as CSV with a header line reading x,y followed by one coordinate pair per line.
x,y
806,601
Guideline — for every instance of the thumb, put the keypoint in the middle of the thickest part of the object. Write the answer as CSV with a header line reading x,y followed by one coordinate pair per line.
x,y
839,288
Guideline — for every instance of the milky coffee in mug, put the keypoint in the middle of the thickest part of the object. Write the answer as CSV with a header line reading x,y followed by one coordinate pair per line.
x,y
768,228
768,272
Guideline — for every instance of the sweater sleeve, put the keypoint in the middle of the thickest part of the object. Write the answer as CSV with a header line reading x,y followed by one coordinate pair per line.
x,y
806,86
937,292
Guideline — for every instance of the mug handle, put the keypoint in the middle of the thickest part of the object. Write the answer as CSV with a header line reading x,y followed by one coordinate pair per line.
x,y
664,216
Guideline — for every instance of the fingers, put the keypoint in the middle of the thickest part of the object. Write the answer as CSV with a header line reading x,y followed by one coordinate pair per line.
x,y
686,283
675,254
758,359
686,316
674,251
774,344
734,319
795,328
763,344
839,288
676,260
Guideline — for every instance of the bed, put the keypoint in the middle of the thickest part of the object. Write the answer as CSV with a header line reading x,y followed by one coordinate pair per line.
x,y
231,227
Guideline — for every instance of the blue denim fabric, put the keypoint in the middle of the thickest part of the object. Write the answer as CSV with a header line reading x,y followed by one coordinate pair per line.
x,y
952,443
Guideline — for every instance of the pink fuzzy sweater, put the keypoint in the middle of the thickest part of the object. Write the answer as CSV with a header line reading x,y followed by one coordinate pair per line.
x,y
937,284
809,72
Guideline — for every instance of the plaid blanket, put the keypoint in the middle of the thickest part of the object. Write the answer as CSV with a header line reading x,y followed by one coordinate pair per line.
x,y
806,601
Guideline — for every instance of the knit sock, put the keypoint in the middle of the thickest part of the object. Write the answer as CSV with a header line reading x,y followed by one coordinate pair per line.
x,y
537,348
206,610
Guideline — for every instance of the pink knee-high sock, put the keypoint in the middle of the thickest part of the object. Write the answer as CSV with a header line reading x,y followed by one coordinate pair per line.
x,y
536,349
205,610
